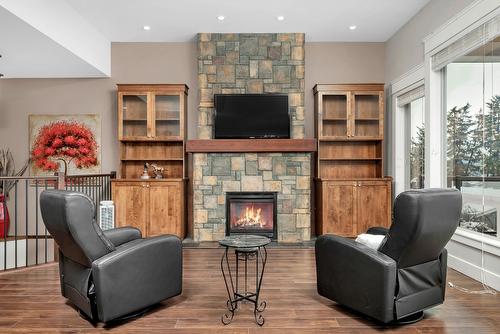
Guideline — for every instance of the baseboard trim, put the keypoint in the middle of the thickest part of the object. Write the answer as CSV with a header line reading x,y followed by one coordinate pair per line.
x,y
474,271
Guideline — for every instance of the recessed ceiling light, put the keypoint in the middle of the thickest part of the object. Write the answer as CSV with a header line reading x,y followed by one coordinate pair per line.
x,y
147,28
352,27
220,17
280,18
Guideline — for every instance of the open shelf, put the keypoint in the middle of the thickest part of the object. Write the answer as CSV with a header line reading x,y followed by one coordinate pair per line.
x,y
131,169
341,169
162,159
152,151
340,139
348,158
171,140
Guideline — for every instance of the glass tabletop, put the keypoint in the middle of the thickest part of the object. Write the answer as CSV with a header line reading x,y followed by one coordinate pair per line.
x,y
245,241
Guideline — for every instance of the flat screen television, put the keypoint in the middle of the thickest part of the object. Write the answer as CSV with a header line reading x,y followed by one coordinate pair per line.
x,y
251,116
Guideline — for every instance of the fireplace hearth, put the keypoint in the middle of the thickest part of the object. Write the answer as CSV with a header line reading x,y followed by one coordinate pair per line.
x,y
251,213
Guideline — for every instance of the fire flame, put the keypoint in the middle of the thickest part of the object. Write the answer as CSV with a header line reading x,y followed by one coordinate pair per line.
x,y
251,217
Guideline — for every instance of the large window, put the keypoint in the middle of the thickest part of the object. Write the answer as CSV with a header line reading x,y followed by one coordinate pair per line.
x,y
473,135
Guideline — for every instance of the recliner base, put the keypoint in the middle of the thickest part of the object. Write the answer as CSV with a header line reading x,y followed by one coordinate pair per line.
x,y
136,314
411,319
133,315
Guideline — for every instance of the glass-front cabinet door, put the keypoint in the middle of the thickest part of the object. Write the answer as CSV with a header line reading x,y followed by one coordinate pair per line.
x,y
167,116
133,109
335,115
367,114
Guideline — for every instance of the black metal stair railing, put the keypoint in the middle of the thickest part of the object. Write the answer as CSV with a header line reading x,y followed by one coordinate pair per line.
x,y
24,239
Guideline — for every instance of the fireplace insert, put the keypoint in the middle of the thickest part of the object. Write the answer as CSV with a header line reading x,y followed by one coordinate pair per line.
x,y
251,213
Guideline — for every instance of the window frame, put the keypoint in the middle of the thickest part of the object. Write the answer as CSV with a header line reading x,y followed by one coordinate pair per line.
x,y
409,81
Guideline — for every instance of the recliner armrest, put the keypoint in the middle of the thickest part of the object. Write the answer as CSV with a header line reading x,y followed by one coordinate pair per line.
x,y
136,275
356,276
121,235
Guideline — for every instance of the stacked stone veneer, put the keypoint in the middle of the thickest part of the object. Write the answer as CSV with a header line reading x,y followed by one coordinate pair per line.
x,y
250,63
288,174
241,64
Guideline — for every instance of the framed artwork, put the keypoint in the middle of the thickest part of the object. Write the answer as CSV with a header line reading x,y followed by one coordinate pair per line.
x,y
56,140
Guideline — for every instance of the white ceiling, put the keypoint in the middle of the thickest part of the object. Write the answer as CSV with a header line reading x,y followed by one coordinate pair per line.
x,y
28,53
49,39
180,21
72,38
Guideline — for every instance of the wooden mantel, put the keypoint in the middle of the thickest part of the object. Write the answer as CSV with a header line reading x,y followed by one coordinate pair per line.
x,y
250,145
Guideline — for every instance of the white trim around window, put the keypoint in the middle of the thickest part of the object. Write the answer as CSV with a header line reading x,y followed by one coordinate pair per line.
x,y
474,15
404,84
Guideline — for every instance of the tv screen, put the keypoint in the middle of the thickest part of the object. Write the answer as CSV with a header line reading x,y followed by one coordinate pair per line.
x,y
251,116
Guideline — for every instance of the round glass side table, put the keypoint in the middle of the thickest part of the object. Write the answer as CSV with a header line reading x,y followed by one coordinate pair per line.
x,y
247,248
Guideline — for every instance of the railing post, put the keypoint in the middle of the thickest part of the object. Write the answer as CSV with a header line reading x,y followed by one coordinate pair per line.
x,y
61,181
60,185
112,174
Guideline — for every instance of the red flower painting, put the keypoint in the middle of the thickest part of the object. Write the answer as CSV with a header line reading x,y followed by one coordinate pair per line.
x,y
67,140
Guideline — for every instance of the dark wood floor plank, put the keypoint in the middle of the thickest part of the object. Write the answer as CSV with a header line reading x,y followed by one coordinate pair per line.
x,y
30,301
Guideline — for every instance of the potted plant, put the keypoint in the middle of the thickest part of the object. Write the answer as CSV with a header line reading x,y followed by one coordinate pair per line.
x,y
7,168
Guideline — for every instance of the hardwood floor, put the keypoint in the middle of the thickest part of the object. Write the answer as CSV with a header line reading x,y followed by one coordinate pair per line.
x,y
30,301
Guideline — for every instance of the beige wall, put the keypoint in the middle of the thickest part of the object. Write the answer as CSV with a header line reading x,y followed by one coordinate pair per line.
x,y
160,63
131,63
405,49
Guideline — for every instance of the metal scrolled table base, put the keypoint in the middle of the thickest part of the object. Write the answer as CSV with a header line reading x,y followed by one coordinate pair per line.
x,y
232,288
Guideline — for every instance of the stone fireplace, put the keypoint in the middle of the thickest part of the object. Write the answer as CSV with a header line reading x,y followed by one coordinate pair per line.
x,y
242,64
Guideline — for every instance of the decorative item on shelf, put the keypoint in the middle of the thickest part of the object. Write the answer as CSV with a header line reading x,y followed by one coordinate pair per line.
x,y
7,168
145,174
157,171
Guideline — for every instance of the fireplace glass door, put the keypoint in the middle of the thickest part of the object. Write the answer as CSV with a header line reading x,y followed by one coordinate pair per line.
x,y
251,213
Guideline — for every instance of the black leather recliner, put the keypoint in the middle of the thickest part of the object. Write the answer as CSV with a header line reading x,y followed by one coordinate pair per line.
x,y
407,273
108,274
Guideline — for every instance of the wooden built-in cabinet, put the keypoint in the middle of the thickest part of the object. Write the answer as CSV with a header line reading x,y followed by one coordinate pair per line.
x,y
349,207
152,129
350,187
155,207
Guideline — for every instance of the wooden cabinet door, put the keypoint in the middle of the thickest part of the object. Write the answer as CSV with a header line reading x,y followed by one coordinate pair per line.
x,y
373,204
338,212
367,114
134,116
131,203
166,213
334,111
168,115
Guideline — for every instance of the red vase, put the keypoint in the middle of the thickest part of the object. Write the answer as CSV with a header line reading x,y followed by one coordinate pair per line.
x,y
4,218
